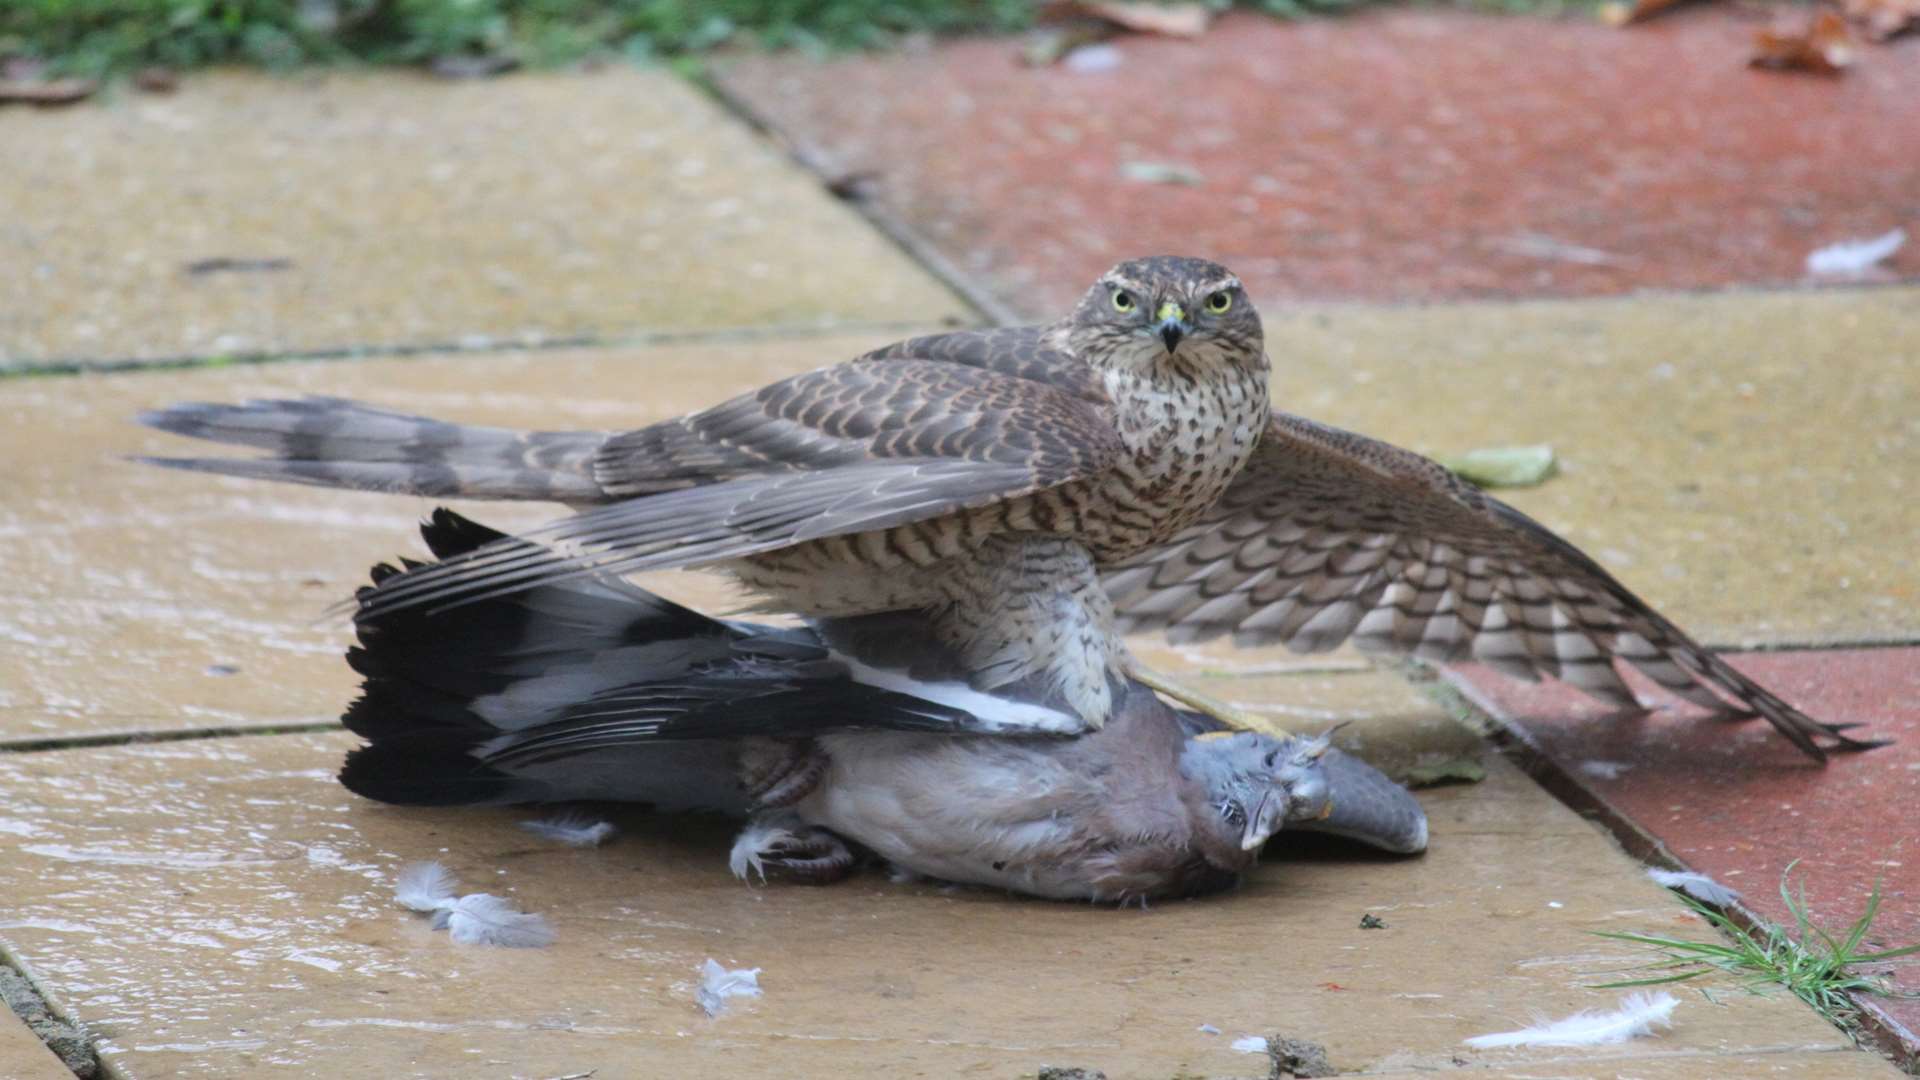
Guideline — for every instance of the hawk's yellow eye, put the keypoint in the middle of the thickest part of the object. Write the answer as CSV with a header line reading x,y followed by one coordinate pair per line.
x,y
1122,300
1219,302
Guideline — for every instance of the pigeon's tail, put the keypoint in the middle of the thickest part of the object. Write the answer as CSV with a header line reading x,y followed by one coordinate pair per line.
x,y
331,442
587,689
1369,807
446,698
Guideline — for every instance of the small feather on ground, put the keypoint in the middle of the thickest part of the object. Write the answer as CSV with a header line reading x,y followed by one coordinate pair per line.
x,y
1639,1014
485,919
1699,886
717,984
1856,256
572,829
473,919
424,886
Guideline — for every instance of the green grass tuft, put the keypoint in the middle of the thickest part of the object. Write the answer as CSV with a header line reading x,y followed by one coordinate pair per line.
x,y
100,37
1815,965
109,37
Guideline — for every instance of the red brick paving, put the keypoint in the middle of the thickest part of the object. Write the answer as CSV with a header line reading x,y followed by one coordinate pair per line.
x,y
1402,155
1738,803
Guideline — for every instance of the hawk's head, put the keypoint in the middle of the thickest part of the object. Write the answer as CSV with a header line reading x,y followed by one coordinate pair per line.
x,y
1146,310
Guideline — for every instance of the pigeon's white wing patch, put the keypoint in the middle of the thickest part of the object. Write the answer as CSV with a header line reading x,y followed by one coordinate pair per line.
x,y
995,715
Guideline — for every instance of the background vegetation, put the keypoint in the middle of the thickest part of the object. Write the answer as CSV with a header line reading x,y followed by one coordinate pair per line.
x,y
95,37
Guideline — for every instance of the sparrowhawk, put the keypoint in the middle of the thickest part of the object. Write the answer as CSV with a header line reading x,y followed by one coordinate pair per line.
x,y
985,487
1034,493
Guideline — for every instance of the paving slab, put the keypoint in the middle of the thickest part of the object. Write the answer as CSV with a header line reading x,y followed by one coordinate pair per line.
x,y
1739,805
220,907
248,213
23,1056
143,600
1389,155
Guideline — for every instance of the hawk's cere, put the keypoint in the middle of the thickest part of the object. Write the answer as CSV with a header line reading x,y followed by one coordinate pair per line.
x,y
1035,492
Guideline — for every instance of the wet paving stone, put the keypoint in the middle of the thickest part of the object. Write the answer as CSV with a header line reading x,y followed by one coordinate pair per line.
x,y
222,907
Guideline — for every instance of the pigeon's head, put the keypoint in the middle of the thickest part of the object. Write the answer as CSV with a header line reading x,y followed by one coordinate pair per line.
x,y
1258,784
1144,311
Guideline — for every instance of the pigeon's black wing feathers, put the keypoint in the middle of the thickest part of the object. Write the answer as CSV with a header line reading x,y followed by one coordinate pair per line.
x,y
462,705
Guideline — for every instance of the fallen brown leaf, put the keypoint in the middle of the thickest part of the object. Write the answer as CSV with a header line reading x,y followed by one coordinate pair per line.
x,y
1625,12
46,91
1051,44
1823,46
1882,19
157,80
1173,20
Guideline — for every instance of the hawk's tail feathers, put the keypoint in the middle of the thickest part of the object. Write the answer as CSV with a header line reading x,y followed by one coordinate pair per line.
x,y
332,442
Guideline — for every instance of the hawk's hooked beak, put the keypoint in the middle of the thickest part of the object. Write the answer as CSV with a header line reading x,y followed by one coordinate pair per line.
x,y
1173,324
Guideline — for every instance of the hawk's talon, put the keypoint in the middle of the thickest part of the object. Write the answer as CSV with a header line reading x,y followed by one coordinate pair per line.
x,y
783,844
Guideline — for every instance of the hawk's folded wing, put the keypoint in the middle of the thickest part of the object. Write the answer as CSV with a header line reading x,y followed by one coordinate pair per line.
x,y
857,448
1327,536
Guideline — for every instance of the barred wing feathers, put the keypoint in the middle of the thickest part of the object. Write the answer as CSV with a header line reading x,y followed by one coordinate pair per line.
x,y
1328,536
861,447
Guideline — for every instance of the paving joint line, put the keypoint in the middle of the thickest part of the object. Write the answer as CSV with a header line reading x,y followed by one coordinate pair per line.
x,y
129,738
1897,641
895,229
1340,304
1469,706
638,339
70,1043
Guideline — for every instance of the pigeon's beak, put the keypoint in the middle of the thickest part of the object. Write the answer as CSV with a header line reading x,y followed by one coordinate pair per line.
x,y
1298,792
1308,802
1269,818
1173,324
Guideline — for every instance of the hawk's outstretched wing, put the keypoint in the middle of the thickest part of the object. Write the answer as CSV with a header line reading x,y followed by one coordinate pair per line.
x,y
856,448
1328,536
